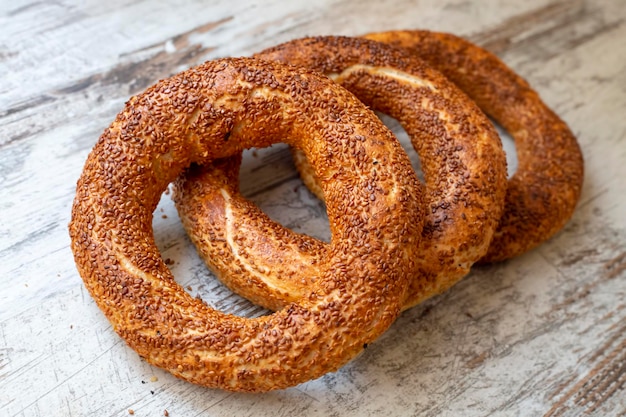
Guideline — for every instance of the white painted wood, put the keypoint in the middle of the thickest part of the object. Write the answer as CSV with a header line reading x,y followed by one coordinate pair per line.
x,y
542,334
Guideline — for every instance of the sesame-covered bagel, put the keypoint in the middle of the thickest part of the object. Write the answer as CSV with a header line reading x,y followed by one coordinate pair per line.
x,y
214,111
461,157
543,192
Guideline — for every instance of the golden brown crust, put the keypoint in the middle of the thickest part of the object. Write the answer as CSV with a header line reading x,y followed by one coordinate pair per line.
x,y
462,159
543,192
214,111
255,257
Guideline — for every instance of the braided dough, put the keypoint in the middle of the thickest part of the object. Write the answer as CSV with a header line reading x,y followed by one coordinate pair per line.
x,y
462,160
543,192
214,111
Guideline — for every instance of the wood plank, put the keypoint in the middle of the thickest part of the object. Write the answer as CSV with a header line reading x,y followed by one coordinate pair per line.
x,y
542,334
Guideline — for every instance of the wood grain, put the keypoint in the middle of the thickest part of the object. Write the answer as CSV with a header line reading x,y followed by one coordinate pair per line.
x,y
542,334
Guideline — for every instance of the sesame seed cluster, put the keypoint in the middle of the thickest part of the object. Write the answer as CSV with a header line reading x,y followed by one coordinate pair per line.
x,y
394,241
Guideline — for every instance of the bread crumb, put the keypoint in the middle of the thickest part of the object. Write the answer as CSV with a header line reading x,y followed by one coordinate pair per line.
x,y
131,411
154,379
166,414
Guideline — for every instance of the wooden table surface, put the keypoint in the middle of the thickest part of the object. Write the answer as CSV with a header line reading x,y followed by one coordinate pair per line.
x,y
542,334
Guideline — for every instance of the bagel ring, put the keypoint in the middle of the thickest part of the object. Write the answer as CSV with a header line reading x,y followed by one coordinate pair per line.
x,y
213,111
462,160
543,192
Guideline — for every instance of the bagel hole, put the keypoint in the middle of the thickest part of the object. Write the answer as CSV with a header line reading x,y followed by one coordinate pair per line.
x,y
269,179
405,141
189,271
508,144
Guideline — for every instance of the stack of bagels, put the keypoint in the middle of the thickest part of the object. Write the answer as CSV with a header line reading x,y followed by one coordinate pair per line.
x,y
394,240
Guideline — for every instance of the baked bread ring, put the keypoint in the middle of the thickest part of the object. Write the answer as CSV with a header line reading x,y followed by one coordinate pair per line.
x,y
543,192
461,156
213,111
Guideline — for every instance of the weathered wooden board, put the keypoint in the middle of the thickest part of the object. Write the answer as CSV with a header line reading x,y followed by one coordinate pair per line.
x,y
543,334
